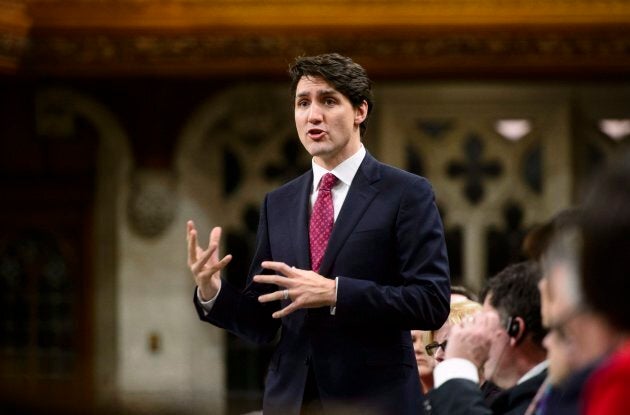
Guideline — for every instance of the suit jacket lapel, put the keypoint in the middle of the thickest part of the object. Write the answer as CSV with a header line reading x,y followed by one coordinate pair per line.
x,y
360,194
301,219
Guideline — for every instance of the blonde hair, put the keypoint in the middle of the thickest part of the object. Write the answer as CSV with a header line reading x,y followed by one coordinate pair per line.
x,y
459,310
462,309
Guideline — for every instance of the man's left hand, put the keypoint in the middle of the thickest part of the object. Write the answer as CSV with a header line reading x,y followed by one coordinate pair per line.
x,y
306,289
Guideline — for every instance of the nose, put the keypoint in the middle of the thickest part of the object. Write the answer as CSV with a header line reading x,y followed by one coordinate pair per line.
x,y
314,114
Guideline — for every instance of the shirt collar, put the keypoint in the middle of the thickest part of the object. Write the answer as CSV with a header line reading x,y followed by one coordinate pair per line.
x,y
345,171
536,370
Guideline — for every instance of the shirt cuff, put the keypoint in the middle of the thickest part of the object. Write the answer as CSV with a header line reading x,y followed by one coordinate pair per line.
x,y
455,368
333,308
206,306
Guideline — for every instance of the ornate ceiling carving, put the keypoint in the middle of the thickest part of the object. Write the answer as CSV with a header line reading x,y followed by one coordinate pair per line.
x,y
244,37
14,26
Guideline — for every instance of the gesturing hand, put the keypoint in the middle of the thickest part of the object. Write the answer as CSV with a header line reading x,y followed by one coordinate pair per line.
x,y
306,289
205,265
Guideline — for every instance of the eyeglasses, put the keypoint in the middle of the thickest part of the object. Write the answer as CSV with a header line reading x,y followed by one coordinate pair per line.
x,y
433,347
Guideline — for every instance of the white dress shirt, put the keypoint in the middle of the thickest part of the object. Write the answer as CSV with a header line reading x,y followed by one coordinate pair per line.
x,y
458,368
345,172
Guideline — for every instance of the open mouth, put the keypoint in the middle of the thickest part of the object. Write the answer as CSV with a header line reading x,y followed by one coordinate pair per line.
x,y
316,133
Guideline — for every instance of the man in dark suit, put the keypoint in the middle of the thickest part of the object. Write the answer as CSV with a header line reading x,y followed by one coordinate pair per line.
x,y
503,343
345,296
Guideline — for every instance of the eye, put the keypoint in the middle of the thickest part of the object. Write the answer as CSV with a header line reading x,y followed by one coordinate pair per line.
x,y
330,101
301,103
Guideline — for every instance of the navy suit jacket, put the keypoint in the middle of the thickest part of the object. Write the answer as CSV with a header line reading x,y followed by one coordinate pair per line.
x,y
387,249
464,397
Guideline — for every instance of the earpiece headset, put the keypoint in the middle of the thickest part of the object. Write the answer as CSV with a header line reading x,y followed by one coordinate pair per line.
x,y
513,326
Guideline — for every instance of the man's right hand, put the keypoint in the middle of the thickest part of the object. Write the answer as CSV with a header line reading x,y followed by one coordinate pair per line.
x,y
205,265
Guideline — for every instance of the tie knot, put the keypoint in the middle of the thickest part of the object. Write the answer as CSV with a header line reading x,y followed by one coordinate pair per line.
x,y
327,182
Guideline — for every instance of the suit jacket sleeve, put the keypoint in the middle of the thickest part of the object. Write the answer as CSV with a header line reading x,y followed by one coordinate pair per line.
x,y
241,313
456,397
417,294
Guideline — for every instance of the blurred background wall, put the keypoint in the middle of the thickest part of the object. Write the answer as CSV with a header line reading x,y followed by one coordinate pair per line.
x,y
121,119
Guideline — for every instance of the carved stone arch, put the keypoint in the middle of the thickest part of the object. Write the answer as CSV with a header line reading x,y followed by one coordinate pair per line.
x,y
249,125
57,110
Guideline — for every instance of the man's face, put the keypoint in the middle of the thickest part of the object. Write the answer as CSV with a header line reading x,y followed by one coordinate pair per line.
x,y
558,287
552,308
566,321
545,300
326,121
498,358
558,355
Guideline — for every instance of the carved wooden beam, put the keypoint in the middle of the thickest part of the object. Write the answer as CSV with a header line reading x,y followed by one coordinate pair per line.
x,y
14,26
391,38
178,14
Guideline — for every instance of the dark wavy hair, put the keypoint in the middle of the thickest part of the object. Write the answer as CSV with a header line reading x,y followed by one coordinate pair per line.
x,y
342,73
514,293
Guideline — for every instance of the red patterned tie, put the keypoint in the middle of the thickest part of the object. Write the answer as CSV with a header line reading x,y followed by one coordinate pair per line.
x,y
322,220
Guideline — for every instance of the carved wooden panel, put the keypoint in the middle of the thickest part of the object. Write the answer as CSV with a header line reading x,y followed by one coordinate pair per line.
x,y
14,25
391,38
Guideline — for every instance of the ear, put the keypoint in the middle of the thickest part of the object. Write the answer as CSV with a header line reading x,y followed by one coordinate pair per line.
x,y
517,331
360,113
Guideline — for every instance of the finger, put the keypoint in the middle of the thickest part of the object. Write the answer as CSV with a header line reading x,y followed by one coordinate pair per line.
x,y
206,255
215,236
192,244
280,267
285,311
219,266
274,296
213,244
223,263
213,248
274,279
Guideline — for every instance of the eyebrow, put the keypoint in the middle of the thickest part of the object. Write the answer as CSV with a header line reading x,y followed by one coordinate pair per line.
x,y
320,92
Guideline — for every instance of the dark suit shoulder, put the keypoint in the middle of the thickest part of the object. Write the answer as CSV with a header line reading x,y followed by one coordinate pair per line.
x,y
376,170
456,397
292,186
394,171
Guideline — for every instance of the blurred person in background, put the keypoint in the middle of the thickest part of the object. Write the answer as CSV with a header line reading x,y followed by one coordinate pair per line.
x,y
428,349
505,341
605,274
426,363
437,340
461,293
577,338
